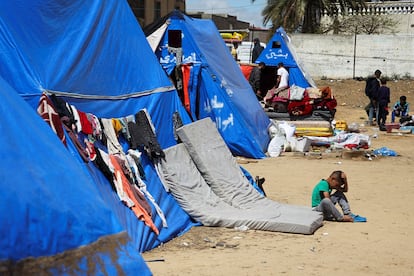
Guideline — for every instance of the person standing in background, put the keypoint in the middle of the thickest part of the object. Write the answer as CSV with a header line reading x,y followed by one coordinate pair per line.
x,y
371,89
255,80
282,80
282,84
383,99
257,49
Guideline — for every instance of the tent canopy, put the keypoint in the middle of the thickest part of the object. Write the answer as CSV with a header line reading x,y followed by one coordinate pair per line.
x,y
93,55
280,49
49,205
216,85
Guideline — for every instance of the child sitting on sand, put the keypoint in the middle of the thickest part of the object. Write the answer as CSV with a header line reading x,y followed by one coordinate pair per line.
x,y
401,109
323,200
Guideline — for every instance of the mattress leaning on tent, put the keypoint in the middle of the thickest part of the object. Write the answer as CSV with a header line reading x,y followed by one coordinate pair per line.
x,y
208,183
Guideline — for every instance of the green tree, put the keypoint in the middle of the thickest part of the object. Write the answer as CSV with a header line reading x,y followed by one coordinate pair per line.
x,y
304,15
360,24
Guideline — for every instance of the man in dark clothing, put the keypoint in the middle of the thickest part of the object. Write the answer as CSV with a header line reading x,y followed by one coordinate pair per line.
x,y
383,99
255,78
257,49
371,89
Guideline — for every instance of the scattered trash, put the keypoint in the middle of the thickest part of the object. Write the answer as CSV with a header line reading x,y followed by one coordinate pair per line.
x,y
206,239
384,151
325,233
221,244
155,260
224,245
368,156
241,228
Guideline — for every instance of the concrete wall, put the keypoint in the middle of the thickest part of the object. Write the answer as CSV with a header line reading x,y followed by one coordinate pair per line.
x,y
347,56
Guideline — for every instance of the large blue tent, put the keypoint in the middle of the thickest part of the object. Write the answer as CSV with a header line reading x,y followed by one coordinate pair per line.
x,y
50,206
280,49
216,85
93,55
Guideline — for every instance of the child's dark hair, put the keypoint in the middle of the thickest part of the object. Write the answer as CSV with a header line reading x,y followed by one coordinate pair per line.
x,y
403,98
337,175
383,81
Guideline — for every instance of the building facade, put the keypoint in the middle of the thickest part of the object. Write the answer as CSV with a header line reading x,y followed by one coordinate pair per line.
x,y
148,11
228,23
402,12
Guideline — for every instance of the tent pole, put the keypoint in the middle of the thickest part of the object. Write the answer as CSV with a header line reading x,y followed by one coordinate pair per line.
x,y
355,39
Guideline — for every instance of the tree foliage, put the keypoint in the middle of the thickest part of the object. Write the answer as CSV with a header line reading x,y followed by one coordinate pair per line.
x,y
360,24
304,15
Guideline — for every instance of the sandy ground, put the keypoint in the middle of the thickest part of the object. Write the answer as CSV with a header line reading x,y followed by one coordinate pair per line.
x,y
381,190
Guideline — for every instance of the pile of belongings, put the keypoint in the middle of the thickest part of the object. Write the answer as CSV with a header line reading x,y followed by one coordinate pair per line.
x,y
299,103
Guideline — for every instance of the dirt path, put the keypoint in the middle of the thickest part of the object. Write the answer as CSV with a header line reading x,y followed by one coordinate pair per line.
x,y
381,189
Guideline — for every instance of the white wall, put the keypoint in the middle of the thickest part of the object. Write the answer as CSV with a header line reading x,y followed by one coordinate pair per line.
x,y
332,56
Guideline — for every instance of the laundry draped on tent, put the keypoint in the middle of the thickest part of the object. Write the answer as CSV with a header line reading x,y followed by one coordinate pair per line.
x,y
92,55
210,82
53,214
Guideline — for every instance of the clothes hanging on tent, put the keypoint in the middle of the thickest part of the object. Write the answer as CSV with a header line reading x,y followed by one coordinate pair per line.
x,y
143,134
137,194
114,147
124,171
186,68
124,121
61,107
96,126
136,207
47,111
133,157
104,167
69,128
76,117
86,125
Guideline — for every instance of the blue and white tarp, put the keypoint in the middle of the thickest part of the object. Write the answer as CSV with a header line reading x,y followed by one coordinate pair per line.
x,y
280,49
216,86
94,55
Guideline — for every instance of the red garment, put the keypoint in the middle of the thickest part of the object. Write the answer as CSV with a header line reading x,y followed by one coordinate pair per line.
x,y
47,111
246,70
138,210
85,123
69,126
299,108
186,79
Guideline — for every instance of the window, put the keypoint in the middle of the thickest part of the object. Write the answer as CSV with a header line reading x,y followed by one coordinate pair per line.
x,y
157,9
137,7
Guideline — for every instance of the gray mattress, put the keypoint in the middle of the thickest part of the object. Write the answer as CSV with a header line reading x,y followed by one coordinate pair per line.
x,y
203,205
223,187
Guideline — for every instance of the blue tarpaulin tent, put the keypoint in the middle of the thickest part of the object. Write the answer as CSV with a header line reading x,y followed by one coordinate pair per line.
x,y
50,205
216,85
279,49
93,55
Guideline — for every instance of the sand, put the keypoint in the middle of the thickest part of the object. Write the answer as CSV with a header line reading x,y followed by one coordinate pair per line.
x,y
381,189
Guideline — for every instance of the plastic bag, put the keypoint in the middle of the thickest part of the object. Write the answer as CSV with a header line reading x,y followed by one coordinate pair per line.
x,y
384,151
